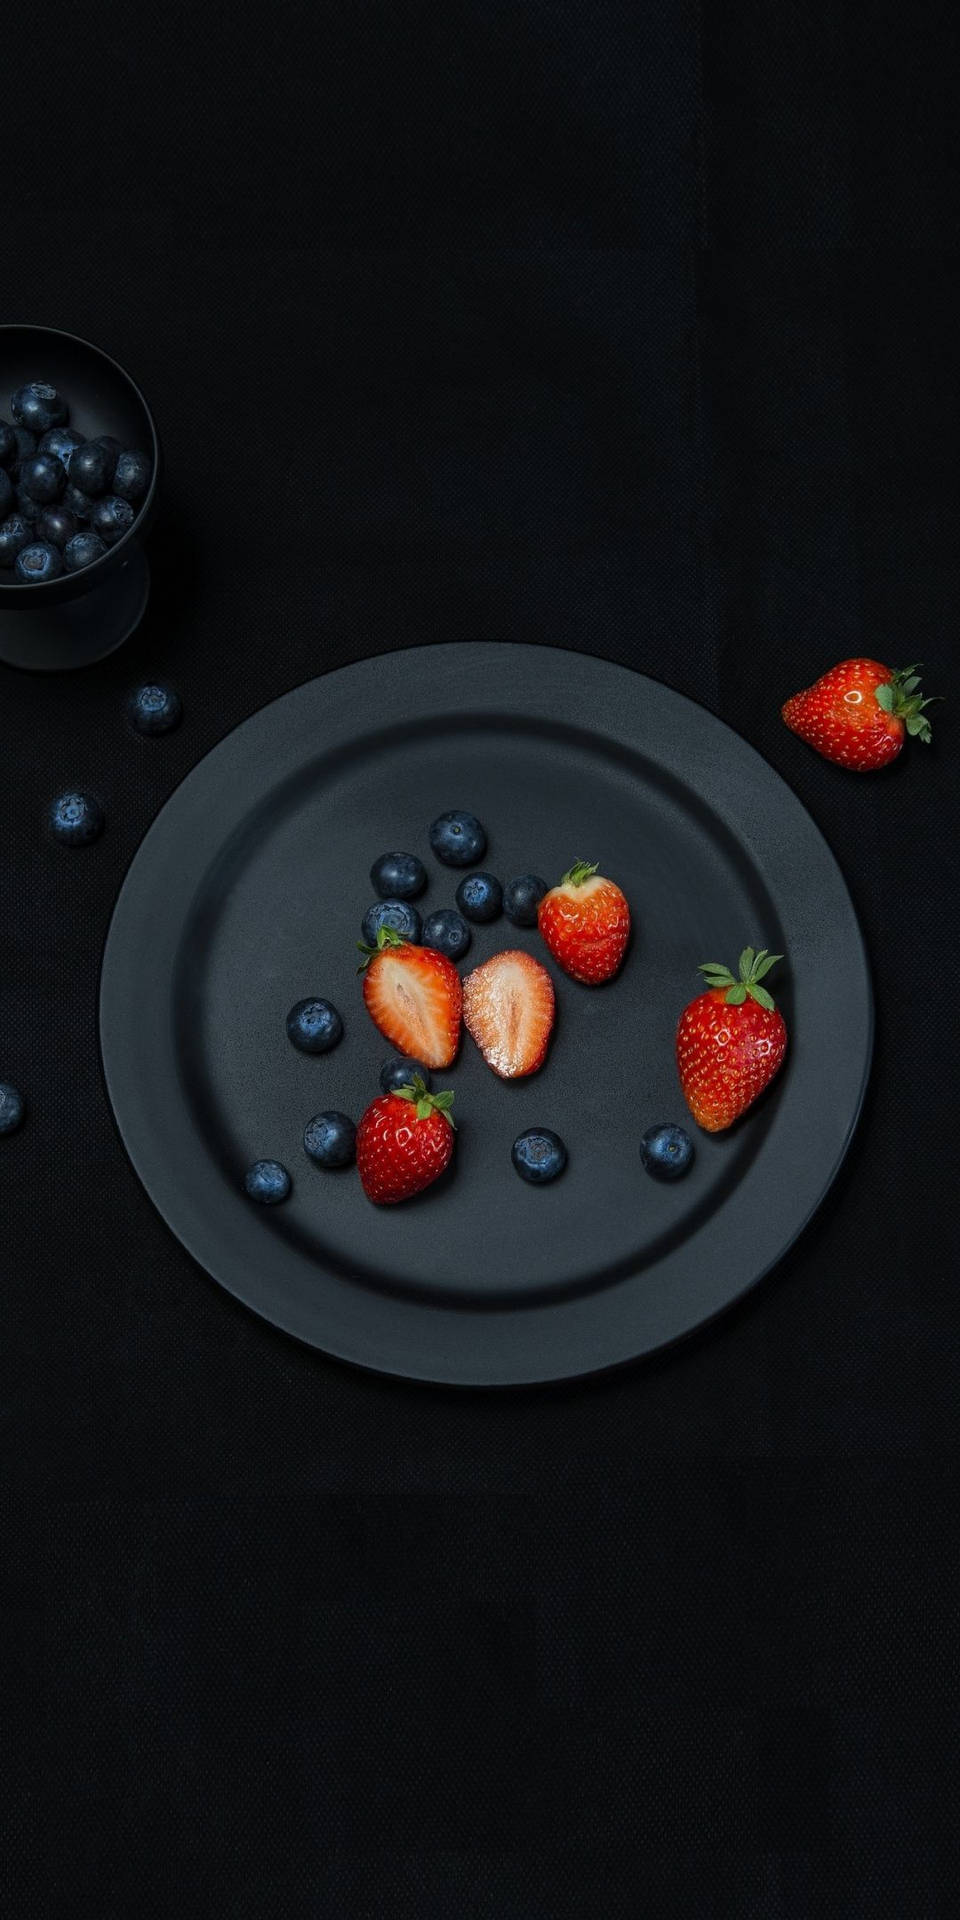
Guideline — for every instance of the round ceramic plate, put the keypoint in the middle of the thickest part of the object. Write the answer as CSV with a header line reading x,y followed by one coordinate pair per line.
x,y
247,894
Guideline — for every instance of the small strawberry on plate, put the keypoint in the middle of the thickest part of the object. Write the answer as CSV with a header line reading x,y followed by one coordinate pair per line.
x,y
859,714
404,1142
585,922
730,1041
413,994
508,1009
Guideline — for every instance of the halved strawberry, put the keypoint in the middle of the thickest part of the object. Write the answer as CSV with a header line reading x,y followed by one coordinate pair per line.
x,y
414,996
585,922
509,1008
404,1142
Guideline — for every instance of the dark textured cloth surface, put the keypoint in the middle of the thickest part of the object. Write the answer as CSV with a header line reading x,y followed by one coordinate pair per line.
x,y
616,328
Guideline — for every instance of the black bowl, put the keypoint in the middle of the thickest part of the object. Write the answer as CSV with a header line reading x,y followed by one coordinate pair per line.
x,y
78,617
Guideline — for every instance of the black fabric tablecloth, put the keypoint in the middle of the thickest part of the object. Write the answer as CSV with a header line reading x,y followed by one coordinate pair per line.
x,y
616,328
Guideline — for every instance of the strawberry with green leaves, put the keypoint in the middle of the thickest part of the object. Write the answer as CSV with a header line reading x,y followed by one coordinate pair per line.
x,y
404,1142
860,713
730,1041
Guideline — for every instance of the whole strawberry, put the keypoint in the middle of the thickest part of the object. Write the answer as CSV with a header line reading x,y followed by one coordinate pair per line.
x,y
585,922
404,1142
730,1041
859,714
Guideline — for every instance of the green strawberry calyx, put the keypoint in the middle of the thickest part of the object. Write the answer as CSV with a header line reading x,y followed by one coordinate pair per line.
x,y
386,937
900,697
428,1103
752,968
580,871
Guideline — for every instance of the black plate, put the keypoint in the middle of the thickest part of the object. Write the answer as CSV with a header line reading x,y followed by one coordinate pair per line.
x,y
247,894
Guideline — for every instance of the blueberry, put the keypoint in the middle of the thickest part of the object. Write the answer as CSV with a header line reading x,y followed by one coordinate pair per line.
x,y
153,709
76,819
458,839
38,562
82,551
79,504
9,451
522,897
268,1182
539,1155
132,475
43,477
447,932
480,897
38,406
57,525
26,444
28,508
6,494
314,1026
398,876
330,1139
667,1151
16,532
111,518
399,1073
60,441
91,467
398,914
11,1108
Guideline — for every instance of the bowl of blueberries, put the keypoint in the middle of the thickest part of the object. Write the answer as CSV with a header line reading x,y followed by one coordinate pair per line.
x,y
79,469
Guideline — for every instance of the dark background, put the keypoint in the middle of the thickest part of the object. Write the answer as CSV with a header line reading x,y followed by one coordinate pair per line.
x,y
625,328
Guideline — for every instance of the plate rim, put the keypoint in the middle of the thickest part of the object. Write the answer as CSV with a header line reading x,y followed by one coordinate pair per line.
x,y
404,1367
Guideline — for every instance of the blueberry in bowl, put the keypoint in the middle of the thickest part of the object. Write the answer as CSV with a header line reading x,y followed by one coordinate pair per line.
x,y
91,468
458,839
38,561
480,898
82,550
56,524
38,406
43,477
7,495
72,400
61,442
15,532
131,475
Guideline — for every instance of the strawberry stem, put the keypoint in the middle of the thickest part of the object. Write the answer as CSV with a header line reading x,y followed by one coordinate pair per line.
x,y
428,1103
900,696
751,969
579,872
386,937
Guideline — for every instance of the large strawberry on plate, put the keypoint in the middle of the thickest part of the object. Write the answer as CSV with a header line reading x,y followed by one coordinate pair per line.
x,y
730,1041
